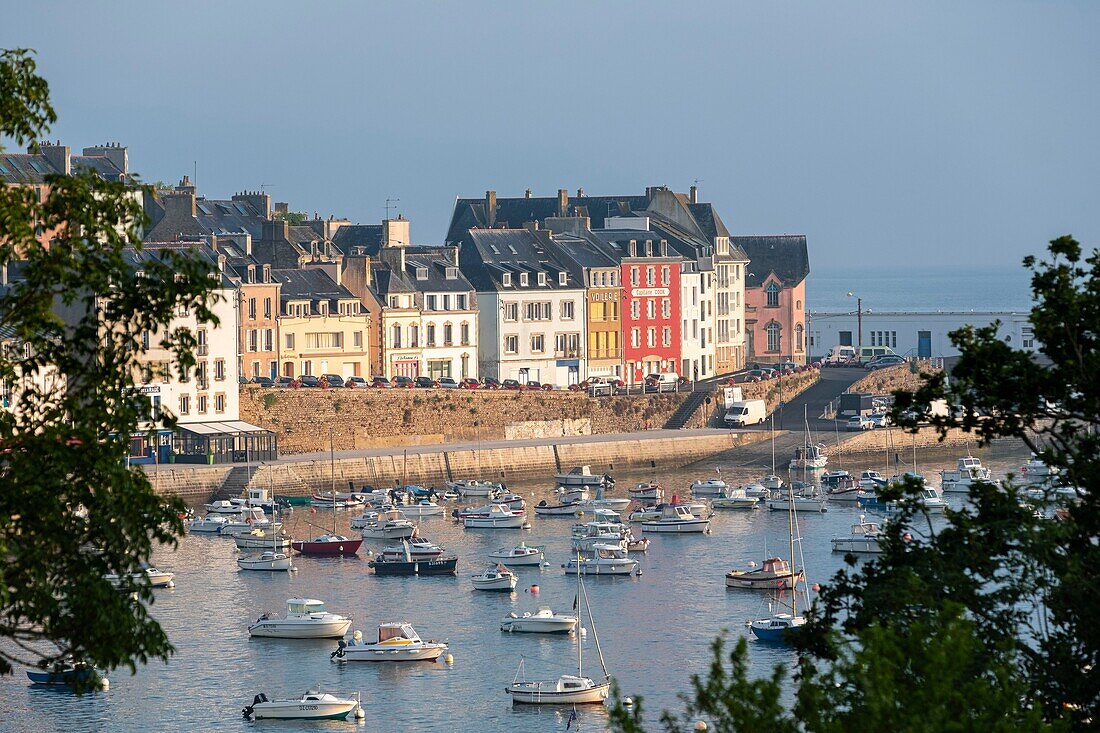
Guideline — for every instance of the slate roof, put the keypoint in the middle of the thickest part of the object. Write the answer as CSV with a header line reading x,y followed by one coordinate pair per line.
x,y
312,285
513,213
32,168
436,281
486,254
103,167
786,255
367,236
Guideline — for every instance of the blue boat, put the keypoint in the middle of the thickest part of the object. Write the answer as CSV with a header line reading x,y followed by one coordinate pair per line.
x,y
777,627
68,675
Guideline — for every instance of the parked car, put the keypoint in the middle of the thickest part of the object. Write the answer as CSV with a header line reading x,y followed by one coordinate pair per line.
x,y
242,380
469,383
596,386
663,382
380,382
512,384
533,384
284,381
403,382
264,381
426,383
879,419
787,367
859,422
448,383
332,380
490,383
886,360
308,380
547,387
355,382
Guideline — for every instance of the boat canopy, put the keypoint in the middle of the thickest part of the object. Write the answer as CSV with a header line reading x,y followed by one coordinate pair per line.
x,y
776,565
305,605
396,631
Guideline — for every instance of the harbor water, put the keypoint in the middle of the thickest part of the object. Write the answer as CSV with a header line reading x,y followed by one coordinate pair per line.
x,y
655,630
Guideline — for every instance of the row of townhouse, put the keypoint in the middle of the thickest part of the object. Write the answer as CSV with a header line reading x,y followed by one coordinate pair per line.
x,y
625,286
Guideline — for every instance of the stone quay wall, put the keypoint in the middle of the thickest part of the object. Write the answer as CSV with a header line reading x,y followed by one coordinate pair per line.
x,y
879,440
434,467
379,418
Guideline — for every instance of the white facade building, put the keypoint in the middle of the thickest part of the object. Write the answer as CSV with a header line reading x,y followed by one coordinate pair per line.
x,y
696,311
448,324
910,333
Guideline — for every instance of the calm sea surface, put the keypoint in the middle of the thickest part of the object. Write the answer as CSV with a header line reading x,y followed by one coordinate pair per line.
x,y
921,289
655,629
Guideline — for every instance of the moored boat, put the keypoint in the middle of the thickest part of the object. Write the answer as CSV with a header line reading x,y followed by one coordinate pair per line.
x,y
69,674
581,476
676,519
708,488
397,642
416,548
495,578
422,508
389,565
389,525
865,538
328,544
267,560
313,705
496,518
542,621
774,573
968,471
306,618
734,499
210,524
602,560
521,554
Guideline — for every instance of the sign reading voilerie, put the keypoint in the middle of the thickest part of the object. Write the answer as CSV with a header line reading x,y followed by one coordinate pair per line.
x,y
649,292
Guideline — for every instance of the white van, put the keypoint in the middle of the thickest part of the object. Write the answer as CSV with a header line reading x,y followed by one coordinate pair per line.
x,y
749,412
663,382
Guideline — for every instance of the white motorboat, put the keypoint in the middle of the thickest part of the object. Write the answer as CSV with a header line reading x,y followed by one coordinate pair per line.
x,y
613,503
210,524
773,574
709,488
734,499
495,578
809,457
306,618
865,538
602,560
267,560
496,518
389,525
313,705
557,510
416,548
572,494
155,578
1035,471
475,488
510,501
676,519
542,621
871,480
222,506
587,536
568,689
248,520
422,508
521,554
968,471
256,497
648,491
771,482
758,490
580,476
800,497
368,517
397,642
260,539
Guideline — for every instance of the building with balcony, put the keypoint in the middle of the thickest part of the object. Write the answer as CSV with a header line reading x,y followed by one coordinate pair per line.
x,y
322,326
531,306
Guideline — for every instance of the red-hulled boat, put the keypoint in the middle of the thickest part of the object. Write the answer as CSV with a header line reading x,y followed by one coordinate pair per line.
x,y
328,544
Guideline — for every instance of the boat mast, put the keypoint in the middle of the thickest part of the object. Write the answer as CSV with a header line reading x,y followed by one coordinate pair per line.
x,y
772,418
332,476
790,523
580,619
595,634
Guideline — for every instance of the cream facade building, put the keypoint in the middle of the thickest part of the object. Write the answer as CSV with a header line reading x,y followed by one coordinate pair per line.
x,y
323,328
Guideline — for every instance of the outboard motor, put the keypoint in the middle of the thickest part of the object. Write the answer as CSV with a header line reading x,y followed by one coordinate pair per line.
x,y
247,711
339,653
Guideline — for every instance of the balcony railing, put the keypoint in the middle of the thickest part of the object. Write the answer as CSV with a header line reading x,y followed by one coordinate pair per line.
x,y
568,353
202,350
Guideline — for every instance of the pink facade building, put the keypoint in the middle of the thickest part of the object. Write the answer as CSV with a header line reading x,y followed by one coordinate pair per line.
x,y
775,298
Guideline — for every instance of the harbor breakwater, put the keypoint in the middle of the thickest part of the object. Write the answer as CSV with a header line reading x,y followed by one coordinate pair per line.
x,y
435,465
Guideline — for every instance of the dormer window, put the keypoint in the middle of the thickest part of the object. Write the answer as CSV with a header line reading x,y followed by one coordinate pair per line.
x,y
563,279
452,273
506,280
322,308
422,273
542,279
251,273
523,279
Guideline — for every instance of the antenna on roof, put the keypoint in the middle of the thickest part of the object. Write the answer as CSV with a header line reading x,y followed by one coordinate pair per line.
x,y
263,187
391,203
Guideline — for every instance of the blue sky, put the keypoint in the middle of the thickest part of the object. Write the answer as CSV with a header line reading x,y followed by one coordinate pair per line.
x,y
892,135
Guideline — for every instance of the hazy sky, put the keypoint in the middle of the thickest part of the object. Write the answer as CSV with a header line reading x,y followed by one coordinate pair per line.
x,y
888,133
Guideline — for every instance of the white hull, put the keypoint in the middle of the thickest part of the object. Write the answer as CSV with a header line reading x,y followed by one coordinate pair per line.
x,y
506,585
591,567
695,526
206,526
745,502
278,563
563,510
514,522
295,710
521,625
535,559
387,533
245,542
278,628
428,653
857,546
546,693
809,463
416,510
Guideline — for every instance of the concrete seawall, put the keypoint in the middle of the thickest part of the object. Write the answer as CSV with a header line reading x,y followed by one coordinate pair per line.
x,y
433,466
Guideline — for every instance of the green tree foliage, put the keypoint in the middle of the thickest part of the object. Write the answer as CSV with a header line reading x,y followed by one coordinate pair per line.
x,y
990,621
74,324
294,218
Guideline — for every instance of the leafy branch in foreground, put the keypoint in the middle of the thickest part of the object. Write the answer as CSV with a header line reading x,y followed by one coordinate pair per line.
x,y
75,315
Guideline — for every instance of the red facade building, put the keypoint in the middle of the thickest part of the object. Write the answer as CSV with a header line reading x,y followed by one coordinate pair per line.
x,y
651,310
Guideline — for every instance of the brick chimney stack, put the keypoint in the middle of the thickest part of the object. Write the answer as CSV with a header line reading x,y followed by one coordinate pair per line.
x,y
59,155
119,155
491,208
563,202
693,196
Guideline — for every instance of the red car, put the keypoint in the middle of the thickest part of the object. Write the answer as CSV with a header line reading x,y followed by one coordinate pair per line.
x,y
381,383
403,382
469,383
513,384
490,383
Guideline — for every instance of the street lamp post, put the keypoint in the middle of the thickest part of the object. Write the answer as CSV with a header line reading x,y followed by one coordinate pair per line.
x,y
859,323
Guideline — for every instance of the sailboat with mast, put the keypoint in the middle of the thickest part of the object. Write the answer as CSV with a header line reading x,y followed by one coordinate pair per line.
x,y
330,544
811,455
568,689
778,625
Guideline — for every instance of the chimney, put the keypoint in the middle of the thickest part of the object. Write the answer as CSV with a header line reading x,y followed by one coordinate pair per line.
x,y
117,154
260,201
59,155
395,232
693,195
580,193
282,207
491,208
276,229
179,203
527,194
563,202
247,240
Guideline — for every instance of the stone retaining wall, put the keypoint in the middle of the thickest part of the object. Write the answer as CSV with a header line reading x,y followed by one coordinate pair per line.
x,y
371,418
877,441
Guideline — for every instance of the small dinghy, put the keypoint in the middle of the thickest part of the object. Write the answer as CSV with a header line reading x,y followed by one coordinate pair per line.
x,y
69,674
422,508
313,705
